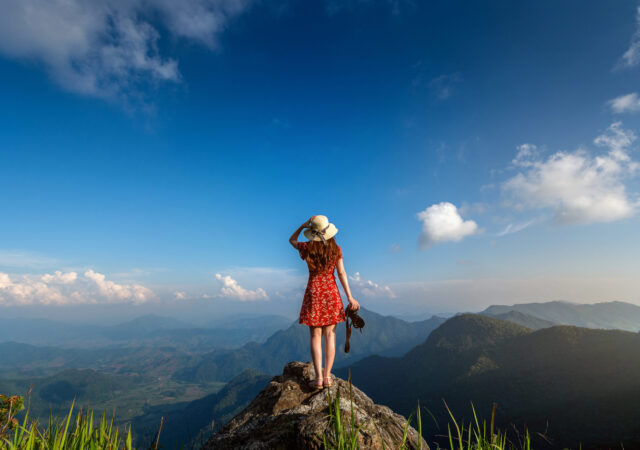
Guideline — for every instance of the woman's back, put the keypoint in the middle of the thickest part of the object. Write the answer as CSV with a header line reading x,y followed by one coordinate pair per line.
x,y
322,259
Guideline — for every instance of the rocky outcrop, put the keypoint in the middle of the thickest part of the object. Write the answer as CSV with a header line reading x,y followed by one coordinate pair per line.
x,y
288,414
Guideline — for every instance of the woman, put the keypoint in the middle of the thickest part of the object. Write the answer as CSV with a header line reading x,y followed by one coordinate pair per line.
x,y
322,306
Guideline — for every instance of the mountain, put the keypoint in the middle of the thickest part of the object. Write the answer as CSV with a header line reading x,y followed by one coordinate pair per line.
x,y
24,360
148,330
193,422
57,391
142,325
608,315
584,384
382,335
287,414
526,320
251,321
413,316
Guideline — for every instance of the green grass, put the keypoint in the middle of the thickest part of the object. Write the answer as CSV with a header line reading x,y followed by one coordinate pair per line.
x,y
476,435
345,436
71,433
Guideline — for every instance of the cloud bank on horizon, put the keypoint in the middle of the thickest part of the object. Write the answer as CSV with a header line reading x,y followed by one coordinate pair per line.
x,y
69,288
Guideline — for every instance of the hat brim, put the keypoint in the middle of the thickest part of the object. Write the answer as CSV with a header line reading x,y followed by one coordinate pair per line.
x,y
331,232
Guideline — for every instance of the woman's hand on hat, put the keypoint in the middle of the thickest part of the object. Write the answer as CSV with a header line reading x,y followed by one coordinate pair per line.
x,y
354,304
307,224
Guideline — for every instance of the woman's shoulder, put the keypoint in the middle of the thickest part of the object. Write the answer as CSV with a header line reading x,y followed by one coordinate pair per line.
x,y
302,248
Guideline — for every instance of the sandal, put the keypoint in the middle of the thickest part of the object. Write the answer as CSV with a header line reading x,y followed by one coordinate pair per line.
x,y
325,384
316,384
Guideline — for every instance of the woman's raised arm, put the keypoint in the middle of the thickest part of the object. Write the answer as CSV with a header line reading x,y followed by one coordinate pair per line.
x,y
293,240
342,274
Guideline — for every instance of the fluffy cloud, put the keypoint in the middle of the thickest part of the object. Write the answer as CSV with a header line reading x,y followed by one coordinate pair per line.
x,y
108,48
368,288
625,103
231,289
578,186
60,278
441,223
113,291
69,288
631,57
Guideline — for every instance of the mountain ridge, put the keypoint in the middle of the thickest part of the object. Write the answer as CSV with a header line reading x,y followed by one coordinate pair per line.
x,y
382,335
607,315
567,375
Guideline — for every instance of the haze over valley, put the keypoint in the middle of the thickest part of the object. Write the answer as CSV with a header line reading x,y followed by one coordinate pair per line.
x,y
153,366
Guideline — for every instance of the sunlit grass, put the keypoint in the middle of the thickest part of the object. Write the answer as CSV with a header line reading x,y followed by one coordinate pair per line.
x,y
477,435
71,433
345,435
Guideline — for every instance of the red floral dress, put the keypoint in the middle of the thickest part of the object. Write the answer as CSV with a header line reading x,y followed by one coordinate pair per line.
x,y
321,304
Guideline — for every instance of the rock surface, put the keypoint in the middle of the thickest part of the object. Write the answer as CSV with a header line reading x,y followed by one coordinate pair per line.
x,y
288,414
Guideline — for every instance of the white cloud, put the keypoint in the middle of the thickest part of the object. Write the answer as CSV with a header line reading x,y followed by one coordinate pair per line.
x,y
629,103
441,223
515,227
617,140
631,57
579,187
526,154
231,289
179,295
62,288
114,291
60,278
368,288
108,48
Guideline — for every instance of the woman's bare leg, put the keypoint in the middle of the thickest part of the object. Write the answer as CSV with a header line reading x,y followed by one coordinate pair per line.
x,y
329,333
316,349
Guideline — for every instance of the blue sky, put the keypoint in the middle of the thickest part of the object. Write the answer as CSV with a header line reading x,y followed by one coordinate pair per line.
x,y
469,154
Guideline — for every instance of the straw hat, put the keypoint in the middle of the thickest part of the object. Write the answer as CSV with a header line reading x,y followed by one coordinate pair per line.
x,y
320,229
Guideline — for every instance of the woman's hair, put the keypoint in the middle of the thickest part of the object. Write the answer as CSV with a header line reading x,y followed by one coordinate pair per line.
x,y
322,256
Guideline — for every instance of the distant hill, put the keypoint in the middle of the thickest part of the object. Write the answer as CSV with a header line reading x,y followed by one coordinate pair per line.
x,y
194,421
608,315
382,335
24,360
583,383
143,325
149,330
57,391
251,321
418,316
526,320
